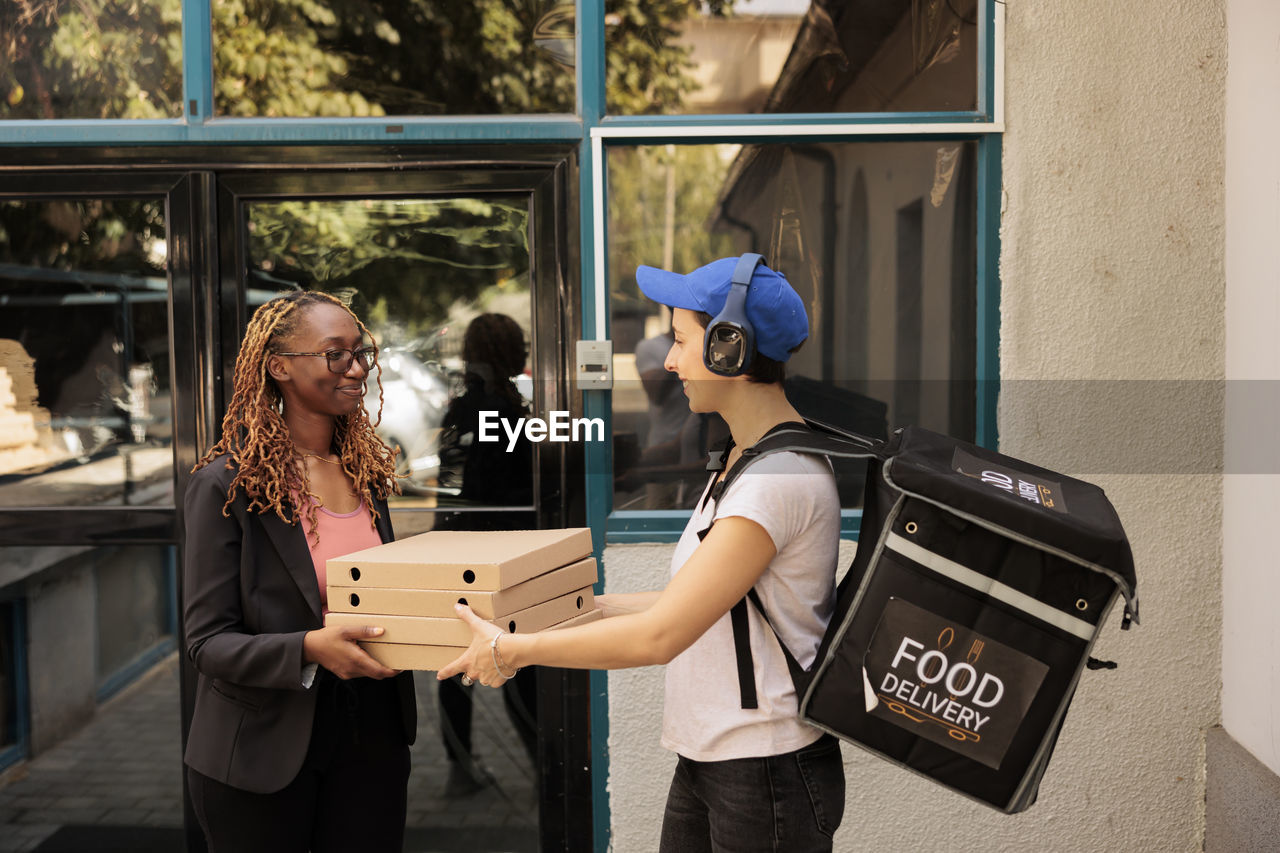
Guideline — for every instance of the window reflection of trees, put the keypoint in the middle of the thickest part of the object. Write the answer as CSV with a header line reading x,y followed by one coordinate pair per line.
x,y
352,58
90,59
406,262
338,58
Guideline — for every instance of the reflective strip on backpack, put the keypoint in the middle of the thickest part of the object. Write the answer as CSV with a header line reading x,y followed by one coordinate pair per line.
x,y
989,586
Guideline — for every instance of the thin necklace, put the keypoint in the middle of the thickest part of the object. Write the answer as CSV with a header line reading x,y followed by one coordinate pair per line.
x,y
314,456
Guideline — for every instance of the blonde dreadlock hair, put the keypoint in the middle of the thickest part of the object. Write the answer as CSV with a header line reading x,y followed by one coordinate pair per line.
x,y
268,467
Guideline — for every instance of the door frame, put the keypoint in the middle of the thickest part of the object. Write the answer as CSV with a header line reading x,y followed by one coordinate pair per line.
x,y
203,187
564,695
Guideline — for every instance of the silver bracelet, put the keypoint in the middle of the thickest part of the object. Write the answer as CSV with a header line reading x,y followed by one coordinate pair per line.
x,y
497,657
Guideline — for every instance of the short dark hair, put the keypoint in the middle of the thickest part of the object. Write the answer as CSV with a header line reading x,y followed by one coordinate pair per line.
x,y
763,369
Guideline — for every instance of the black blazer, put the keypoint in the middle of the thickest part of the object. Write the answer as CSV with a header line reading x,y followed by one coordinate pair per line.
x,y
249,596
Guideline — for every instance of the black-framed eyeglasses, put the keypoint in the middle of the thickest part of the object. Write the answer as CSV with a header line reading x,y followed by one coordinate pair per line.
x,y
339,360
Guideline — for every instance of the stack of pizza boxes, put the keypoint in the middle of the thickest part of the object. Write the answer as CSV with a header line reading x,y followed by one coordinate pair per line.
x,y
520,580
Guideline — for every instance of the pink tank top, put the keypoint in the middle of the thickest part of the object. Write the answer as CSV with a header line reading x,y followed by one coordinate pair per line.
x,y
339,534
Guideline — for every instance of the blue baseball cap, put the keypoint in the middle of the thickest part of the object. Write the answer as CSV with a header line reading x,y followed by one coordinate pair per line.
x,y
774,309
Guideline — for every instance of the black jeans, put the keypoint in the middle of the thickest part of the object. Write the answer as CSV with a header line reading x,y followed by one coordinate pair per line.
x,y
791,803
348,796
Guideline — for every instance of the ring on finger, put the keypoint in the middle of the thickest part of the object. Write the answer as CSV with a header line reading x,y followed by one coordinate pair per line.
x,y
467,680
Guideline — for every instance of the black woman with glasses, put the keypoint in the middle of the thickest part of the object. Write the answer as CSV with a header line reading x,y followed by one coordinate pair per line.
x,y
299,740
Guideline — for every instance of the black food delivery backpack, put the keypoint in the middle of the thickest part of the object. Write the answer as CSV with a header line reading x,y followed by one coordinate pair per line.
x,y
968,614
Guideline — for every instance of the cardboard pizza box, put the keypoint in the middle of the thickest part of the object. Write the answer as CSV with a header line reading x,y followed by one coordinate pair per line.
x,y
413,655
487,604
581,619
416,656
461,559
452,631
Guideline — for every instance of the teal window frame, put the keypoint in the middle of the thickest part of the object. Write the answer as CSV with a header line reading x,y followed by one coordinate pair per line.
x,y
592,129
983,126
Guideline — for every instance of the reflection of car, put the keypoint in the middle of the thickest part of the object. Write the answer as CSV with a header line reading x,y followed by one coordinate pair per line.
x,y
414,399
524,384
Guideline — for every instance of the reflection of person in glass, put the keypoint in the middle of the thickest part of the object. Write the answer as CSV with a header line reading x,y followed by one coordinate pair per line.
x,y
672,464
299,739
746,779
492,475
667,407
486,473
670,422
87,397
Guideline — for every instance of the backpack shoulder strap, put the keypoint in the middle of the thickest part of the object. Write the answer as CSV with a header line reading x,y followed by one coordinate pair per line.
x,y
813,438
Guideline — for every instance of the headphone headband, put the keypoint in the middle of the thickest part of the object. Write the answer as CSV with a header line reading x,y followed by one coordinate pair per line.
x,y
746,268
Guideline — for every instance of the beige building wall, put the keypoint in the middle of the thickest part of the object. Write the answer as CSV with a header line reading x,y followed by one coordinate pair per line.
x,y
736,60
1112,352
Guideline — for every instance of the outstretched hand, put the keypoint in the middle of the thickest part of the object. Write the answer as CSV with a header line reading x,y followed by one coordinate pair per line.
x,y
477,661
335,648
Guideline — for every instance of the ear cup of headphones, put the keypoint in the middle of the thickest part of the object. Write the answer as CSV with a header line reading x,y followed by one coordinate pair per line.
x,y
729,343
727,349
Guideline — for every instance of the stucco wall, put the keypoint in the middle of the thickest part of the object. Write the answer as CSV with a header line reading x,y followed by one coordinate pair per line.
x,y
1112,278
639,768
1112,272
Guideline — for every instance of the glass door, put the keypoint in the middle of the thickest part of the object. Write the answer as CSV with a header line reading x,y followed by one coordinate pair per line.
x,y
94,269
460,280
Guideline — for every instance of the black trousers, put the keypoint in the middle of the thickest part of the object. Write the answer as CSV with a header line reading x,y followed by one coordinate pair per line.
x,y
791,802
348,796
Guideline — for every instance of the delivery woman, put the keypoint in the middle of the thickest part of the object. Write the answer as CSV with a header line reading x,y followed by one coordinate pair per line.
x,y
299,740
746,779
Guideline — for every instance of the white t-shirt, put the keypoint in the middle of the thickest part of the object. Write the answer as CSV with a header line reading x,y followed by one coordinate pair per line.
x,y
793,497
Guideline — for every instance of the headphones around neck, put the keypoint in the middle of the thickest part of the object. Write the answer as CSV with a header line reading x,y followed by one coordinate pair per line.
x,y
730,342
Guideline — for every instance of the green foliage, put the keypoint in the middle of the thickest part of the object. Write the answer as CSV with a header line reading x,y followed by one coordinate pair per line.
x,y
428,57
269,60
301,58
639,228
645,71
410,260
90,59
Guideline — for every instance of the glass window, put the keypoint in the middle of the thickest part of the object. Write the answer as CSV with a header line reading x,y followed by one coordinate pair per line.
x,y
97,59
774,56
443,285
84,354
392,57
877,237
134,604
8,674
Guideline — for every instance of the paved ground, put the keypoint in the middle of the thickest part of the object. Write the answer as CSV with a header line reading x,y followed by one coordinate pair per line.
x,y
124,769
